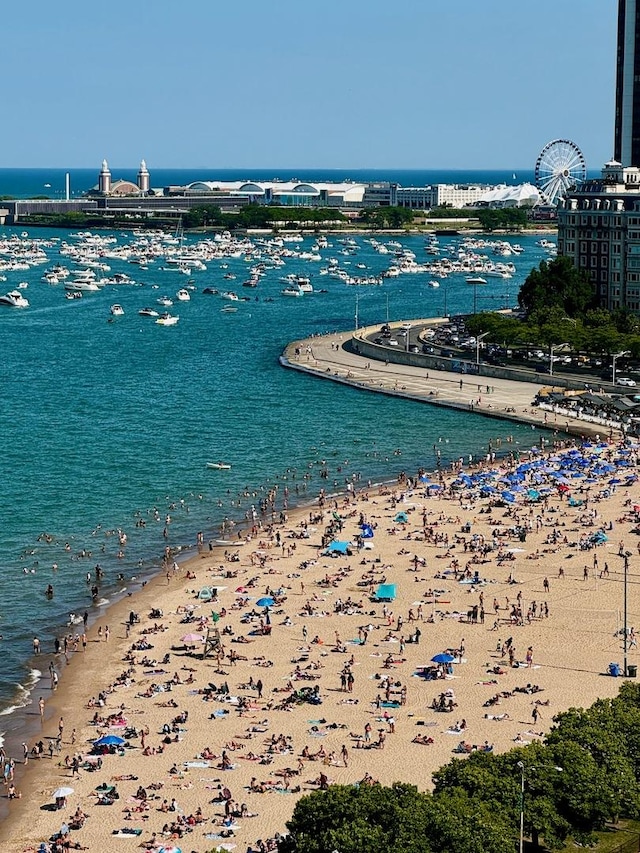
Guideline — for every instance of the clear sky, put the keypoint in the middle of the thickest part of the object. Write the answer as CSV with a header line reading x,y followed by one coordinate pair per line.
x,y
433,84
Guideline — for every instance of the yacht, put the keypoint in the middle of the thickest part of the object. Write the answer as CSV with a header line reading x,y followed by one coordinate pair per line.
x,y
291,291
164,300
117,310
475,279
14,299
81,285
167,319
229,294
434,283
148,312
183,295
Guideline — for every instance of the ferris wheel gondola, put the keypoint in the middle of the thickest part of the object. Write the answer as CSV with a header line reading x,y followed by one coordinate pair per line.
x,y
560,167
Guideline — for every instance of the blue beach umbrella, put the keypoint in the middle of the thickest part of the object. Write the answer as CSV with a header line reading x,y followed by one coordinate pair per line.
x,y
109,740
443,657
267,601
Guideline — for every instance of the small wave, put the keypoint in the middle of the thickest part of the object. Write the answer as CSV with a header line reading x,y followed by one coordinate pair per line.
x,y
1,738
23,693
102,602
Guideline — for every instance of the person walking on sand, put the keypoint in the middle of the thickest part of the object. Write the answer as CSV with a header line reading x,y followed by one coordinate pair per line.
x,y
344,753
41,707
259,688
535,714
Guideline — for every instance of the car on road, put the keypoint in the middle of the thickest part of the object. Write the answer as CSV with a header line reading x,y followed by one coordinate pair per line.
x,y
624,380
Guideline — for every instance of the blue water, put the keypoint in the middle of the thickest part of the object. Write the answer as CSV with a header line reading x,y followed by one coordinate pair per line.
x,y
21,183
106,422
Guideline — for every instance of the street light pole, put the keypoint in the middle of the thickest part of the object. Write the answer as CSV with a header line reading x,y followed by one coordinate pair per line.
x,y
626,573
478,339
554,348
522,767
614,359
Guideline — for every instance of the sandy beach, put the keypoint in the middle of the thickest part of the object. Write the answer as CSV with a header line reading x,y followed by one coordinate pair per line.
x,y
522,596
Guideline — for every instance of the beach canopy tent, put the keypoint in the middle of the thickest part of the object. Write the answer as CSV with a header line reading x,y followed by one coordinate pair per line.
x,y
206,593
402,517
337,547
385,592
367,531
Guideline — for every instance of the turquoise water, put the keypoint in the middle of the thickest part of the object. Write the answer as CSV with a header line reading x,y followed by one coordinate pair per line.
x,y
108,420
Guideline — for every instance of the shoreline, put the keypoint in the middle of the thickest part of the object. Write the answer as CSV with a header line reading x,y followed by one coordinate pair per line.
x,y
77,684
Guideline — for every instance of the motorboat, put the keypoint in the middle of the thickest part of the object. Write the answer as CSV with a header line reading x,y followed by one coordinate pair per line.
x,y
183,295
476,279
228,309
291,291
220,466
148,312
117,310
229,294
14,299
211,290
167,319
75,294
164,300
434,283
82,286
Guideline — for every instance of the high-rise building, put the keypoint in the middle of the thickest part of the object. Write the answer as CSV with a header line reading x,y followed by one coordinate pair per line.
x,y
627,127
599,222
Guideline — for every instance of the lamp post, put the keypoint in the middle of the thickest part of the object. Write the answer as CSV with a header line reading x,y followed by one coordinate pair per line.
x,y
357,306
523,770
478,339
626,638
614,359
553,348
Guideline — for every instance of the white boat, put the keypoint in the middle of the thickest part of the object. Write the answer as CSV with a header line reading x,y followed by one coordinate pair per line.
x,y
117,310
229,294
183,295
167,320
81,286
475,279
434,283
164,300
291,291
148,312
14,299
228,309
220,466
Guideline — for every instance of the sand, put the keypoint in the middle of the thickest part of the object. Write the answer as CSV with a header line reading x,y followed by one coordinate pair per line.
x,y
310,645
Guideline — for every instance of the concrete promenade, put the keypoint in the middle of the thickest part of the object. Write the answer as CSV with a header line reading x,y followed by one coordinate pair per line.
x,y
325,357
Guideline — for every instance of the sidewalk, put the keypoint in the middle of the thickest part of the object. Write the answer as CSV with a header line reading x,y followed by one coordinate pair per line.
x,y
325,357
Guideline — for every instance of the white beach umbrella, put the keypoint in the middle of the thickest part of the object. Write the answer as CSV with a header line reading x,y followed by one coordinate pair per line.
x,y
60,793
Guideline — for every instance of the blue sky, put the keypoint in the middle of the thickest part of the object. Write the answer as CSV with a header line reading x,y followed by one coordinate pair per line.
x,y
333,84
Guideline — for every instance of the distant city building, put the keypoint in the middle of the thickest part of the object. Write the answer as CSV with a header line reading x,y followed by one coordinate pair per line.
x,y
599,229
627,124
108,187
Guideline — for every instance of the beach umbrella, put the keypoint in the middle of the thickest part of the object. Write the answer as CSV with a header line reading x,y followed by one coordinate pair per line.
x,y
109,740
267,601
61,793
443,657
169,848
192,638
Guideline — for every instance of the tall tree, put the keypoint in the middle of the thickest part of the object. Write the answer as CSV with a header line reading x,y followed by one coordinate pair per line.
x,y
557,283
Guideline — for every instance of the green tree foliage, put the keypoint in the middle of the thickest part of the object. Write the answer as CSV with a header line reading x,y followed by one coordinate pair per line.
x,y
557,283
387,217
506,218
377,819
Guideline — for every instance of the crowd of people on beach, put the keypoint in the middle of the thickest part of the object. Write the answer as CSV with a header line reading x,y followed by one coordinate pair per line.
x,y
313,674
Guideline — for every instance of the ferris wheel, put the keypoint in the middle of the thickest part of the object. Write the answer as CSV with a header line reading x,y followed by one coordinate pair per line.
x,y
560,166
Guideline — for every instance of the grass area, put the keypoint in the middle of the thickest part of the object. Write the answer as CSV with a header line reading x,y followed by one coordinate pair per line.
x,y
624,837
